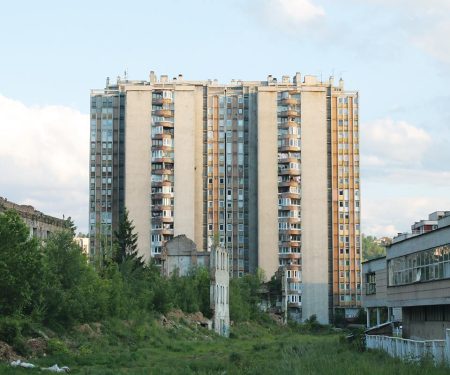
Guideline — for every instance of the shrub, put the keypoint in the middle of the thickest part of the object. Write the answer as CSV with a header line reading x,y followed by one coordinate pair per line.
x,y
10,329
56,346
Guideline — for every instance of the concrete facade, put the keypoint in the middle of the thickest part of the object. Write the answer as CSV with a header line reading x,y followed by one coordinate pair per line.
x,y
40,225
314,193
180,255
267,181
137,163
220,291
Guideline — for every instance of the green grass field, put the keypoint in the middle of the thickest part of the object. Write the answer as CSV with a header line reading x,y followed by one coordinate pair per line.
x,y
147,348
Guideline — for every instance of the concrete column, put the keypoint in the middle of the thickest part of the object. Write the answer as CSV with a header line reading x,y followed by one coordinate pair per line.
x,y
368,317
447,346
378,316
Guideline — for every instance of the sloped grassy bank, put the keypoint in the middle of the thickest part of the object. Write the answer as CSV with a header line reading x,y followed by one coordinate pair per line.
x,y
145,345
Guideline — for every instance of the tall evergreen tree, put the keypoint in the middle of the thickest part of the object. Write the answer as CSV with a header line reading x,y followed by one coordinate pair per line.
x,y
70,225
125,242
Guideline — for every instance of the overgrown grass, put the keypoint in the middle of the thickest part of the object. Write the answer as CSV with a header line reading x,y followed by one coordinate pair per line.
x,y
141,346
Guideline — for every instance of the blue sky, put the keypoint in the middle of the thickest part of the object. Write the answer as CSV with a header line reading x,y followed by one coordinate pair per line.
x,y
395,53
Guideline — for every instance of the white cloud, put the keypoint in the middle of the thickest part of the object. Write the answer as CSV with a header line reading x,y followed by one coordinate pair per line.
x,y
387,216
404,175
291,15
385,141
427,24
297,11
44,155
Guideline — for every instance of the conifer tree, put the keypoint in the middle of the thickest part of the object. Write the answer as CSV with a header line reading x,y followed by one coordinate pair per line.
x,y
125,241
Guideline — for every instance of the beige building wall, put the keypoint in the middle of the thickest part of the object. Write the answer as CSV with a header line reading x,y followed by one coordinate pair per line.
x,y
138,164
185,162
198,170
314,212
267,146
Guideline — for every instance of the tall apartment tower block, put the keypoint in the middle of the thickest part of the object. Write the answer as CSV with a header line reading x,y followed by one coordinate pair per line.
x,y
267,169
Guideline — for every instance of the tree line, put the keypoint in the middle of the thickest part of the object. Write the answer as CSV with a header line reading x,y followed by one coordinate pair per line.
x,y
52,282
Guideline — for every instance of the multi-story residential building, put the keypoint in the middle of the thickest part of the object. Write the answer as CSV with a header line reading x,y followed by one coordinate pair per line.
x,y
267,169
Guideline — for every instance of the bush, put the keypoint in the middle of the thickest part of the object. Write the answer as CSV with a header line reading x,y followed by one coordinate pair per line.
x,y
10,329
55,346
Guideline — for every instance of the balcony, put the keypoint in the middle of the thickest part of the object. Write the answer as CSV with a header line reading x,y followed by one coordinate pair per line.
x,y
288,101
288,148
289,243
163,171
161,136
284,160
289,113
162,183
161,195
164,123
291,220
161,101
293,181
288,194
160,207
288,124
165,231
289,171
289,256
162,219
163,112
296,231
163,159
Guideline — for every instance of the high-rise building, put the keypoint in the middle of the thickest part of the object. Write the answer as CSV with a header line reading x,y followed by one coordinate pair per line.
x,y
267,169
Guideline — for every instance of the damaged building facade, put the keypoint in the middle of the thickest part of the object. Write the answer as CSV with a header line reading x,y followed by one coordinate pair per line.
x,y
40,225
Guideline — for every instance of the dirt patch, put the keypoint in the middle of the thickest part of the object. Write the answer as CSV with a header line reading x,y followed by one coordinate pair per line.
x,y
166,323
7,353
87,330
37,347
97,327
175,316
277,318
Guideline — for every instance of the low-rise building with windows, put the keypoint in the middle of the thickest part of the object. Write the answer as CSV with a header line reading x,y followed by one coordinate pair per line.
x,y
417,269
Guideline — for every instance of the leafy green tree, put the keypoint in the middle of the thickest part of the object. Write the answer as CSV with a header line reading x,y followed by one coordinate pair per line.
x,y
371,249
191,293
125,242
20,265
74,291
244,296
